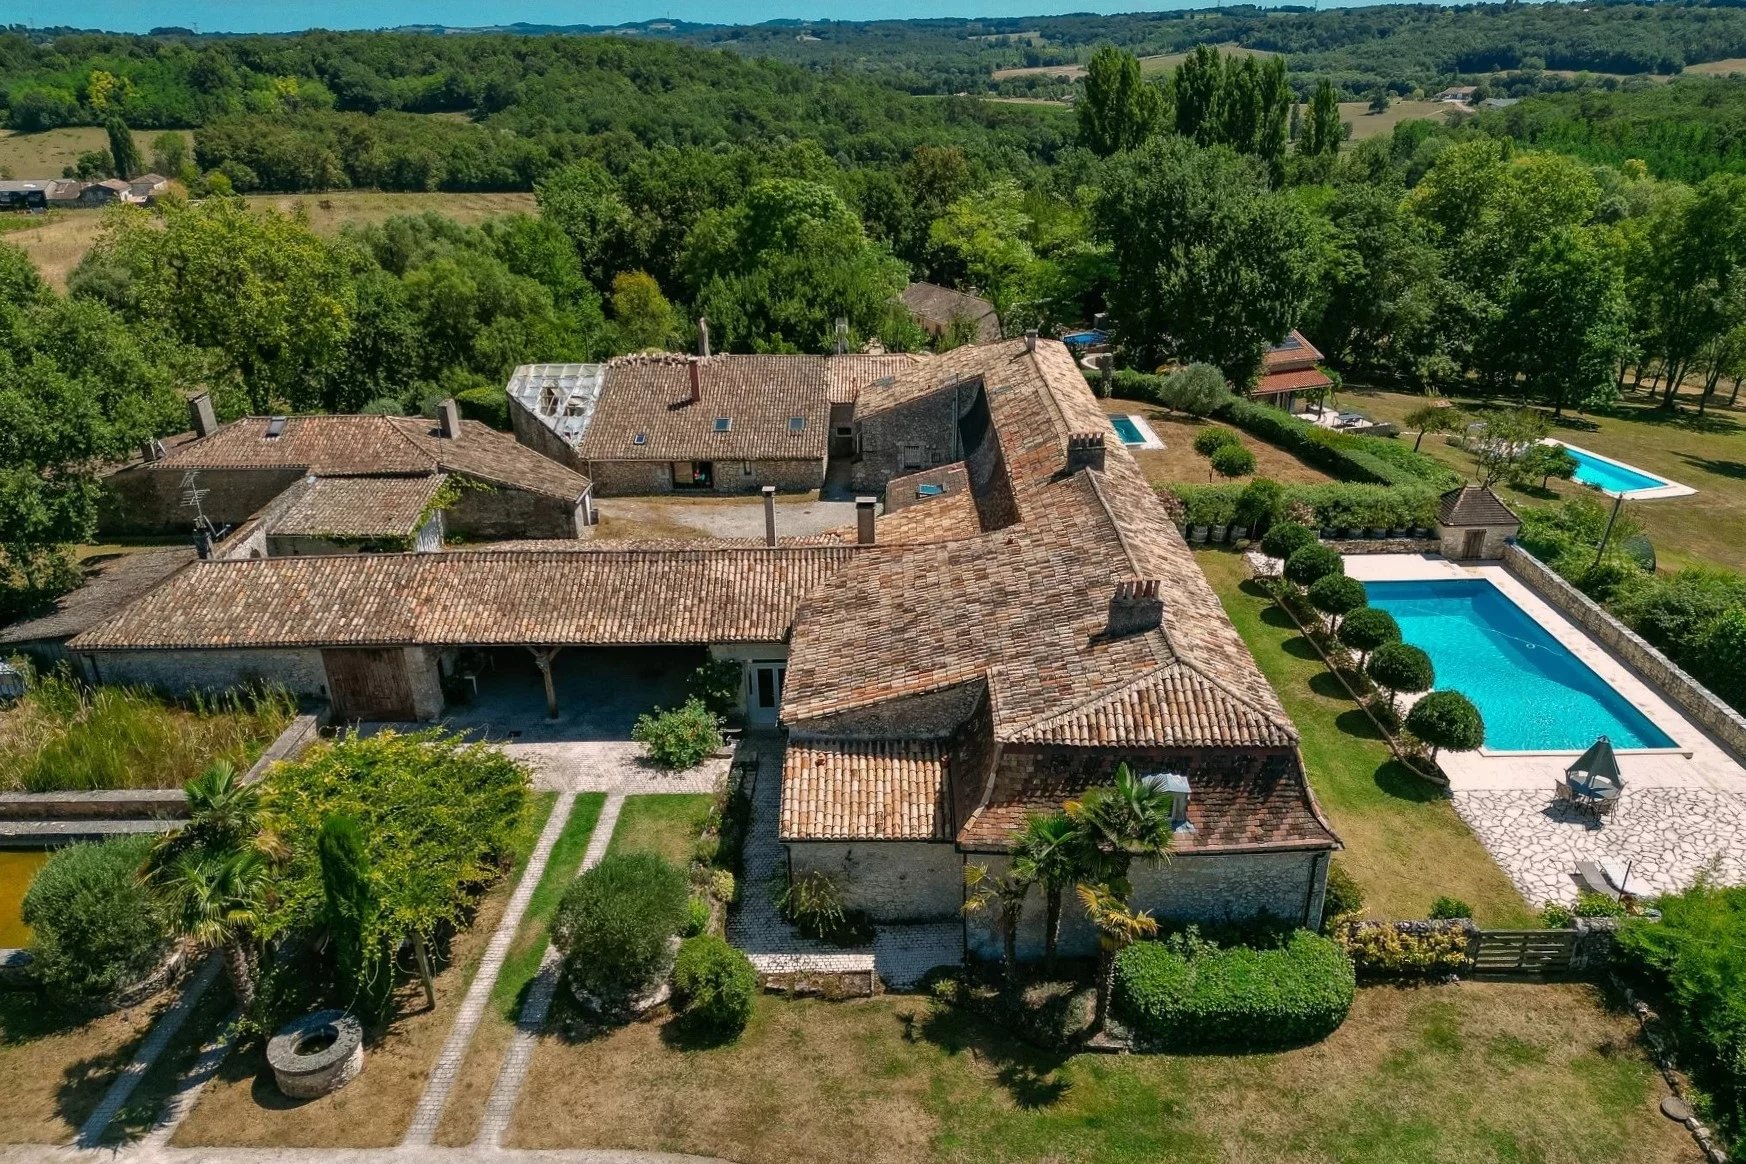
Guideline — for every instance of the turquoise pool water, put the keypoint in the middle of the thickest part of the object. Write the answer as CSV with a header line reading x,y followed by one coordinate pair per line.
x,y
1127,430
1591,470
1534,694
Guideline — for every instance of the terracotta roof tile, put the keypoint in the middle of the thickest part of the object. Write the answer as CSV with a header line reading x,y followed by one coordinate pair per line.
x,y
109,586
865,790
1474,505
1273,383
357,507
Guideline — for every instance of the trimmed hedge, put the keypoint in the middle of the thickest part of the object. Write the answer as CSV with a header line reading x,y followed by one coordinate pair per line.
x,y
1336,505
1410,949
1186,993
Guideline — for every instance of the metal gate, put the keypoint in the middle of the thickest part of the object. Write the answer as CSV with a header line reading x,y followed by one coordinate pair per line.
x,y
369,684
1514,952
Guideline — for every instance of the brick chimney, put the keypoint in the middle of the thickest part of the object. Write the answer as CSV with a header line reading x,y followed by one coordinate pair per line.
x,y
864,520
1084,451
201,416
1135,607
703,337
449,420
1031,339
769,492
696,380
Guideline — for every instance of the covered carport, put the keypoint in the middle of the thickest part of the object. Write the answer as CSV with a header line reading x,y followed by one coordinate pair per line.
x,y
585,692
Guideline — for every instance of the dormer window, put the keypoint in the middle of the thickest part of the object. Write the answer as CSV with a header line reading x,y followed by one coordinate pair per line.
x,y
724,423
1175,786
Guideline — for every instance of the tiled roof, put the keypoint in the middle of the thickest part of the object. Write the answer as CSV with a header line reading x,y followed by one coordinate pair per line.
x,y
865,790
775,407
938,306
109,586
1237,800
1294,351
1295,380
340,446
357,507
599,597
1474,505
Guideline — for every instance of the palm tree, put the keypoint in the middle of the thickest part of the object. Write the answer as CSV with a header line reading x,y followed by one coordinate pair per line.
x,y
215,899
1005,894
1118,927
1052,852
224,817
1130,819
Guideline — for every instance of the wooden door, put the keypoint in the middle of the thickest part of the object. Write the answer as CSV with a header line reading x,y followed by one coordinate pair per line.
x,y
368,683
1473,544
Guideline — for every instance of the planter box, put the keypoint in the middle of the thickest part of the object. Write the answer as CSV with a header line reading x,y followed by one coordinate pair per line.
x,y
1197,534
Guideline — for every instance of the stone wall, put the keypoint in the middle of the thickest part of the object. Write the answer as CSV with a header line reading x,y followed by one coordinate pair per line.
x,y
927,426
642,478
502,512
532,432
1453,539
1684,692
177,672
140,499
425,678
894,881
1218,887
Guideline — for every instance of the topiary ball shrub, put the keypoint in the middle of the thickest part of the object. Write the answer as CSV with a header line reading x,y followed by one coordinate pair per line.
x,y
681,738
615,922
1366,629
1233,460
1308,565
1210,440
96,929
1450,908
1186,993
1446,719
1336,595
1397,667
714,987
1286,538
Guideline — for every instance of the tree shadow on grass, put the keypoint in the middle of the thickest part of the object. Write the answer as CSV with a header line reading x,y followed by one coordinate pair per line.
x,y
84,1082
1030,1074
1734,470
1275,617
1654,414
1356,722
1400,782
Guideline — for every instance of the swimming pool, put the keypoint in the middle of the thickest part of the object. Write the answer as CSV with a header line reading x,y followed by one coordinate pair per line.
x,y
1619,479
1128,430
1534,694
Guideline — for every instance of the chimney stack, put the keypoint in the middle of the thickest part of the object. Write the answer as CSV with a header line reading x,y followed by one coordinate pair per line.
x,y
449,419
703,337
1135,607
201,416
1084,451
1031,339
769,492
864,520
842,335
696,381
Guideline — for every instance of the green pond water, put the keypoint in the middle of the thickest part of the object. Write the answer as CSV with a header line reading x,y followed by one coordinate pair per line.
x,y
17,867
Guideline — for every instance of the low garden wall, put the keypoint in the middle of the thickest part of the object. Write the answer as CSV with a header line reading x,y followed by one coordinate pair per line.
x,y
1686,693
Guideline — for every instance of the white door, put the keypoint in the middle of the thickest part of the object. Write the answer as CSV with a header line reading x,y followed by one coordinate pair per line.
x,y
766,698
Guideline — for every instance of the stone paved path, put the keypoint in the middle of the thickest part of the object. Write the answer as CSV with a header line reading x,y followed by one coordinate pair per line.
x,y
500,1108
448,1065
1669,834
900,954
91,1134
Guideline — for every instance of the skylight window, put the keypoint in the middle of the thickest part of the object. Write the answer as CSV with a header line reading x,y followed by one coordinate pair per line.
x,y
642,438
724,423
275,427
797,424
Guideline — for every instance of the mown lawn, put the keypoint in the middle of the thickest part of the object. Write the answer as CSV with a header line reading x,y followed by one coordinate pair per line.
x,y
1707,453
1465,1074
665,823
1404,842
1178,463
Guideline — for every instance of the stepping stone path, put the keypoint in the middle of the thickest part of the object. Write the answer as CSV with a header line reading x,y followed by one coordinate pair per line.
x,y
1669,835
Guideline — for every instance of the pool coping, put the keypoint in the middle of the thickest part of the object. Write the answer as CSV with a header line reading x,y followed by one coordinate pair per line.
x,y
1674,748
1654,493
1152,442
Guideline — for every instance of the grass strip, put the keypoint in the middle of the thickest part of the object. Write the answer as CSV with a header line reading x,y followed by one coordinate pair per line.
x,y
523,959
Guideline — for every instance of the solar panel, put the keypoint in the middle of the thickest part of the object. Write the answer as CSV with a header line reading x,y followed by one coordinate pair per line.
x,y
1289,344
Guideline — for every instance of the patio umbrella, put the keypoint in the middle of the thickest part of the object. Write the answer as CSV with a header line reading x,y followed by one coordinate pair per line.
x,y
1596,771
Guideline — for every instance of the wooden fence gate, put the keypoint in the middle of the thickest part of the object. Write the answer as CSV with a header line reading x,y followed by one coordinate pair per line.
x,y
1515,952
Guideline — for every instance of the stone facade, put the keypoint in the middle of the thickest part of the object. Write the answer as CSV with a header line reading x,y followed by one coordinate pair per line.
x,y
893,881
504,512
143,500
642,478
1686,693
918,434
425,678
298,671
1209,887
1454,541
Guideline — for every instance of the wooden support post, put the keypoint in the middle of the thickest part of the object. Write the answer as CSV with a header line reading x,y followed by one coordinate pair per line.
x,y
423,956
543,657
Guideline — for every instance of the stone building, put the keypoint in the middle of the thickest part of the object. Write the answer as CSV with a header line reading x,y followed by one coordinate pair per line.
x,y
1474,523
1022,619
1289,372
672,423
940,311
323,484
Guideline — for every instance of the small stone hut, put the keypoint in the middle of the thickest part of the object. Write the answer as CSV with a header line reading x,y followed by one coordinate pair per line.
x,y
1473,523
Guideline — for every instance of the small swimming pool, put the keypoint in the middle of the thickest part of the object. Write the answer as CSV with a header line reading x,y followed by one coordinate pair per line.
x,y
1134,431
1084,338
1535,695
1619,479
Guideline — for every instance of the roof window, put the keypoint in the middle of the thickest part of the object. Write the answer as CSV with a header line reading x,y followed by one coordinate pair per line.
x,y
724,423
797,424
275,428
642,438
